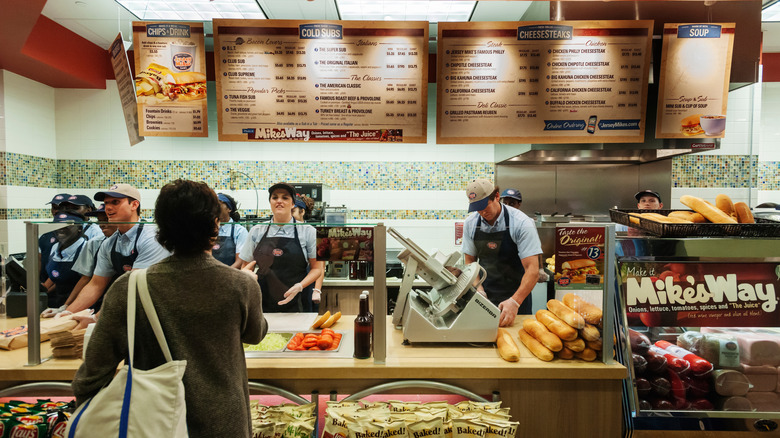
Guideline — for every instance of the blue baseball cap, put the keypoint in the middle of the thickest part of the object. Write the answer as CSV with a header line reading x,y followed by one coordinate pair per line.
x,y
98,212
299,203
59,198
68,217
80,200
223,198
512,193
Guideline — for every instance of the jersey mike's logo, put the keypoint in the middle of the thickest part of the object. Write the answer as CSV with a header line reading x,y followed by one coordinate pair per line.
x,y
55,274
277,252
215,247
127,268
472,195
492,245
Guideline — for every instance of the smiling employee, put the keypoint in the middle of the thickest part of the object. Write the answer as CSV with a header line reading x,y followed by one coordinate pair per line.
x,y
232,235
283,252
505,242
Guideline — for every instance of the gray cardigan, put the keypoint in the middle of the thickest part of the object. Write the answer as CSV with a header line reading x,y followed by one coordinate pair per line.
x,y
206,310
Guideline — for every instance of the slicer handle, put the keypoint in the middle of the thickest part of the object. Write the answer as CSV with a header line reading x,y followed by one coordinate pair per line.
x,y
484,276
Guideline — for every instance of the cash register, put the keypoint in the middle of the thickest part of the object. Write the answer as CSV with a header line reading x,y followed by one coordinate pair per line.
x,y
453,310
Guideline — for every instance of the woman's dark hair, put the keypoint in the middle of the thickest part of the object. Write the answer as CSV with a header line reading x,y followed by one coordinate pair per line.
x,y
186,213
309,206
234,214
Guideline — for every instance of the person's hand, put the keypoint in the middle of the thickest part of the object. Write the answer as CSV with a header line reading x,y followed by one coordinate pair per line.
x,y
316,295
481,291
63,313
291,293
543,277
84,321
508,310
51,311
249,270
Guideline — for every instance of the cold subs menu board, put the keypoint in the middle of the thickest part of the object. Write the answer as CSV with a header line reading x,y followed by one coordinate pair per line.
x,y
694,86
170,81
543,82
288,80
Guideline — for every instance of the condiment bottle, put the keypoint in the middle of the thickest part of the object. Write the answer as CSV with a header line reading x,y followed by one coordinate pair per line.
x,y
363,330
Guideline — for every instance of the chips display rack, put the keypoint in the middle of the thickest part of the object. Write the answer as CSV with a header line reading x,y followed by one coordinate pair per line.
x,y
762,227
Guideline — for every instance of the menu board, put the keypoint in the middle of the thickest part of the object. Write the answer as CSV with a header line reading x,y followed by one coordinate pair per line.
x,y
290,80
345,244
579,258
543,82
170,81
124,82
694,86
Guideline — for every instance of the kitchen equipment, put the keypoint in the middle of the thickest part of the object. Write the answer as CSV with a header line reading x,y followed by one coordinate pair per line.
x,y
452,311
553,218
335,215
319,192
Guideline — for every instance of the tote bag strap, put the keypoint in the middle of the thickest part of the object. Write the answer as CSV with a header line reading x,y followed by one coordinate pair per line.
x,y
138,282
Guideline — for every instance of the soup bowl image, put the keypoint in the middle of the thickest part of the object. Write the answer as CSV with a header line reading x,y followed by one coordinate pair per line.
x,y
713,124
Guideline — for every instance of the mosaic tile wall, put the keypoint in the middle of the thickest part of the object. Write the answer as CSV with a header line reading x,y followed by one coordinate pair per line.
x,y
729,171
769,175
28,171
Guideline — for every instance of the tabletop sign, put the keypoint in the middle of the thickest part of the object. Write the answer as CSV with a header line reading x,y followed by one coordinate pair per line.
x,y
126,86
579,258
290,80
542,82
694,85
702,294
170,81
345,244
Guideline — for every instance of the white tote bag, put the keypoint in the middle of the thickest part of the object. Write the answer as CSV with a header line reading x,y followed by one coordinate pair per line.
x,y
137,403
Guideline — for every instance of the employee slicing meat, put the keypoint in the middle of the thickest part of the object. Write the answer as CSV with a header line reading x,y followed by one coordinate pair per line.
x,y
283,252
505,242
232,235
132,246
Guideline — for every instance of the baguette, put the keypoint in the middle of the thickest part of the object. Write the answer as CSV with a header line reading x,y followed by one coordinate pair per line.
x,y
590,313
665,219
724,204
566,314
634,218
320,320
565,353
536,348
589,333
330,321
540,332
595,345
556,326
576,345
697,218
685,215
744,215
507,348
586,354
712,213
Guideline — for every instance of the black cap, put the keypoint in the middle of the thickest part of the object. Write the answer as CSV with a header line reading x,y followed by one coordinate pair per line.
x,y
98,212
59,198
639,195
80,200
283,186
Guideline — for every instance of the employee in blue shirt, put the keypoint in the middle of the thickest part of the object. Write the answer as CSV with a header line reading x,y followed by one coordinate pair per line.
x,y
232,235
59,268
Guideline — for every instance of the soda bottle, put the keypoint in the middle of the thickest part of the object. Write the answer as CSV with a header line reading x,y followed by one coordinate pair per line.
x,y
363,330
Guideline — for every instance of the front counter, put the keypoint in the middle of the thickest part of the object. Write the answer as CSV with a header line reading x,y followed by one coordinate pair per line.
x,y
559,398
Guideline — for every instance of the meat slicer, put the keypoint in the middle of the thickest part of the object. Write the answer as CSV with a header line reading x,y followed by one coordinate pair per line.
x,y
453,310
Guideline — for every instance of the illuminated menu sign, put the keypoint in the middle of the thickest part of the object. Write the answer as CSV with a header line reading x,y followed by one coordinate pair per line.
x,y
694,86
288,80
542,82
170,81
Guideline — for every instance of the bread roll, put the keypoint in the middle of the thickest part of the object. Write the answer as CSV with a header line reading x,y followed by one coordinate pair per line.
x,y
744,215
507,348
595,345
565,353
724,204
586,354
707,210
535,347
576,345
685,215
590,313
665,219
540,332
556,326
589,333
566,314
697,218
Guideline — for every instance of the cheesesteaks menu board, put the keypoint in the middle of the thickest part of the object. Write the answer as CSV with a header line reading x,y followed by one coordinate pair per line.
x,y
694,86
289,80
170,80
543,82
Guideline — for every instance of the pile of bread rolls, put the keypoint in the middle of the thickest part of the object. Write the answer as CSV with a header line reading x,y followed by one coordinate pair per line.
x,y
723,212
568,329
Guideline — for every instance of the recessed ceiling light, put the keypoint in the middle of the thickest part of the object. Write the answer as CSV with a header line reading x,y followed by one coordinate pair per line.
x,y
406,10
192,10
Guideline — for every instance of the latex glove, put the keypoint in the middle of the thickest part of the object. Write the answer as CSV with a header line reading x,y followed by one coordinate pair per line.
x,y
51,311
249,270
84,321
63,313
316,295
543,277
481,291
291,293
508,310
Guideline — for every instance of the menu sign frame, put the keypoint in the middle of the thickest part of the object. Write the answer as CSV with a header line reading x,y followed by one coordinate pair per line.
x,y
694,84
321,80
580,257
543,81
345,244
170,65
125,85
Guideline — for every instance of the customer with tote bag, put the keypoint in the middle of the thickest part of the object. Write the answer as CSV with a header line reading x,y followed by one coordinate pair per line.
x,y
206,310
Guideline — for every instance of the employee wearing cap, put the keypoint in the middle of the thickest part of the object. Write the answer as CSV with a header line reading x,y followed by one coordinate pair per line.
x,y
47,240
132,246
285,253
232,235
512,198
648,200
70,240
82,205
312,293
505,242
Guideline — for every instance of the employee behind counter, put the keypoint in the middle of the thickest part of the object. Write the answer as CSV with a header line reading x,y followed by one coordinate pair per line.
x,y
505,242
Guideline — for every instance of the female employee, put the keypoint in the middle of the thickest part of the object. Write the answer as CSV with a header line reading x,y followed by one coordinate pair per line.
x,y
284,252
231,234
311,294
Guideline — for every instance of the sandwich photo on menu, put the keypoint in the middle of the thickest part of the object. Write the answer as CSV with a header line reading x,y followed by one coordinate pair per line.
x,y
691,125
578,270
156,84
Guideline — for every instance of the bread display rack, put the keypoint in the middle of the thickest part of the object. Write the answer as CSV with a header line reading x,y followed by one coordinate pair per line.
x,y
762,227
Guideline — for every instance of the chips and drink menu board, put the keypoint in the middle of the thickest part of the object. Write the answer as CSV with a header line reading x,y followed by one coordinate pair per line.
x,y
293,80
543,82
170,65
126,88
694,85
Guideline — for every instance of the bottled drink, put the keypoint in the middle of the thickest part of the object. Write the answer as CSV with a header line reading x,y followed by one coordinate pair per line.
x,y
362,270
353,272
363,330
370,318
